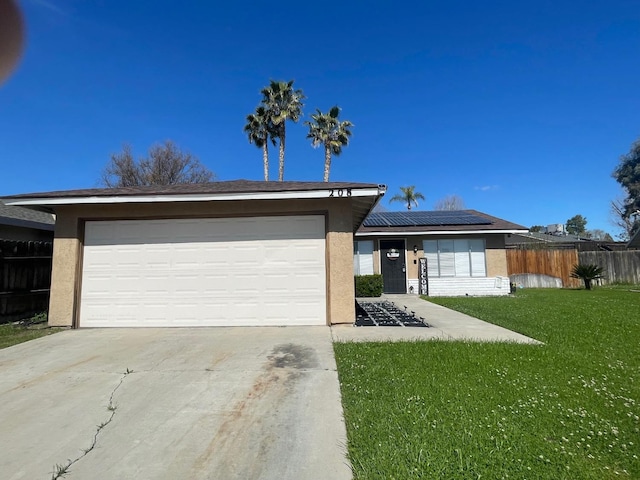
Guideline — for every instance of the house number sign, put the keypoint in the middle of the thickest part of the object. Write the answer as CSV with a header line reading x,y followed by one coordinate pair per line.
x,y
340,192
393,254
422,276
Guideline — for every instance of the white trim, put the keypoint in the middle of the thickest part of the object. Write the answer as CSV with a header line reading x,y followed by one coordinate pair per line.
x,y
439,232
296,194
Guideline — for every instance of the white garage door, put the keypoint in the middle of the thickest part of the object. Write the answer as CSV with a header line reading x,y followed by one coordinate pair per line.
x,y
204,272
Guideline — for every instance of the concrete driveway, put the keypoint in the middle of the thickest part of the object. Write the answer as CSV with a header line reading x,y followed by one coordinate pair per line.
x,y
209,403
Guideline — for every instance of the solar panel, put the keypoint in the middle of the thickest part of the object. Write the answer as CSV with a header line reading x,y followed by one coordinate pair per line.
x,y
423,219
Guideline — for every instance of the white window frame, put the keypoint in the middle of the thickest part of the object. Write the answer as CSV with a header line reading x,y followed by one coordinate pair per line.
x,y
459,257
363,257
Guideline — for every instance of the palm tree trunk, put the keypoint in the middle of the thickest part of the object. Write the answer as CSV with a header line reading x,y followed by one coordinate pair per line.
x,y
265,160
281,166
327,162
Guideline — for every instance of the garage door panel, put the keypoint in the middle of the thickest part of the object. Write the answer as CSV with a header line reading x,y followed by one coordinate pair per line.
x,y
249,271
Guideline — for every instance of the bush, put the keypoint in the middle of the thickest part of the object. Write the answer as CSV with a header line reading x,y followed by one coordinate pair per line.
x,y
368,285
588,273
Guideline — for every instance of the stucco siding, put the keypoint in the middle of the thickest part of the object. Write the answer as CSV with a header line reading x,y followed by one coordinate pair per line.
x,y
65,264
340,265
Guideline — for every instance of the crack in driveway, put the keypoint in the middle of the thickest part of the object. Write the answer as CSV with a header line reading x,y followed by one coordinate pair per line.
x,y
61,470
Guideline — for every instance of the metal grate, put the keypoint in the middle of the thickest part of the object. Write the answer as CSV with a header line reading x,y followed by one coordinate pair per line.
x,y
386,314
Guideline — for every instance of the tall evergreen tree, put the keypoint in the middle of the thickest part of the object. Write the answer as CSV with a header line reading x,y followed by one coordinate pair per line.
x,y
282,103
326,129
408,196
259,131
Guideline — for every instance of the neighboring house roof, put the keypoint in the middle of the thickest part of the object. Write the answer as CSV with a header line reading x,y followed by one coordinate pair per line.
x,y
363,195
635,241
436,222
523,240
532,237
25,217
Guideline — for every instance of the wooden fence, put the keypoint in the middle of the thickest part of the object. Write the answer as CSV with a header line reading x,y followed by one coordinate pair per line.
x,y
619,266
25,278
555,263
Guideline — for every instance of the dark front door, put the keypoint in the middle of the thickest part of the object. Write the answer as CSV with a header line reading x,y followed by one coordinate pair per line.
x,y
393,266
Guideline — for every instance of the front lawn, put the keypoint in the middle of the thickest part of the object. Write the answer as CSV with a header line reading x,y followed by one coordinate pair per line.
x,y
569,409
14,333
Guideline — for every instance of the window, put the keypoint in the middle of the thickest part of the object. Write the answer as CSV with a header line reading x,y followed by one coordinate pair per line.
x,y
455,258
363,257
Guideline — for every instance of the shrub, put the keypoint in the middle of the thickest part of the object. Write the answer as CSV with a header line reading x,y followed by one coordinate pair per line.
x,y
587,272
368,285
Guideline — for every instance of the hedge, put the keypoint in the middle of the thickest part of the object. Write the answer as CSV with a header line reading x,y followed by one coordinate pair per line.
x,y
368,285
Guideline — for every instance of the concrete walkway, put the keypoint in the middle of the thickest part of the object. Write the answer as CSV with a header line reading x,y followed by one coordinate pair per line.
x,y
446,324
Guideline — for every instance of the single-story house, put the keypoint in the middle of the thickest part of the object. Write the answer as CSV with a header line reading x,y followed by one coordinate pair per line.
x,y
438,253
24,224
223,253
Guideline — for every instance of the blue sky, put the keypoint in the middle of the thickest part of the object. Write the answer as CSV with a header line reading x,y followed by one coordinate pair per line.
x,y
520,108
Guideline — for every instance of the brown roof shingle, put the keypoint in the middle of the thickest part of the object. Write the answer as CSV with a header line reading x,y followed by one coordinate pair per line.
x,y
232,186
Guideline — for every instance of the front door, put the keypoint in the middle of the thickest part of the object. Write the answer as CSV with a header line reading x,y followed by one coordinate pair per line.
x,y
393,266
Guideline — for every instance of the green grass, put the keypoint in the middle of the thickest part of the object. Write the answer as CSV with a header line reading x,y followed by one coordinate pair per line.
x,y
12,334
569,409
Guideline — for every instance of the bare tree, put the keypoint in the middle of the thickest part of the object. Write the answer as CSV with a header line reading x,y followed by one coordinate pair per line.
x,y
450,202
628,224
598,234
165,164
627,174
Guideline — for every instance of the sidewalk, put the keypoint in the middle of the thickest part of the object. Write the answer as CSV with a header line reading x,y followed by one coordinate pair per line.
x,y
446,324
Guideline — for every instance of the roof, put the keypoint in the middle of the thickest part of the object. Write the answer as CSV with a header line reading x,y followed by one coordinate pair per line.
x,y
223,187
531,237
364,195
436,222
25,217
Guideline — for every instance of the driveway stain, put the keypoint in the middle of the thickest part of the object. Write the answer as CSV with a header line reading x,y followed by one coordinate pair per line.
x,y
52,374
293,356
249,423
217,359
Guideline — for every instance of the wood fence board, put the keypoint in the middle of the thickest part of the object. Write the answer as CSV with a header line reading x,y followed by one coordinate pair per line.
x,y
25,278
555,263
619,266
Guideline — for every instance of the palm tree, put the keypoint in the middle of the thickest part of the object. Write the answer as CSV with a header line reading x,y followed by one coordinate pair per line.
x,y
259,131
282,103
587,272
408,196
327,130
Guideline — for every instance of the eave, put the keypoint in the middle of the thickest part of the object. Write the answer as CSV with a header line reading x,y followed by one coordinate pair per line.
x,y
399,233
